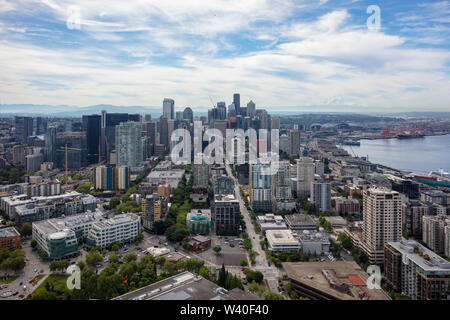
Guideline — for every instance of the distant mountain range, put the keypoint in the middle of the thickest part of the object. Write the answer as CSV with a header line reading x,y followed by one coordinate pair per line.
x,y
61,111
8,110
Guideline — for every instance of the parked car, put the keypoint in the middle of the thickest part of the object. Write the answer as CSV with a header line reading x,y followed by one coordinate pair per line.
x,y
98,265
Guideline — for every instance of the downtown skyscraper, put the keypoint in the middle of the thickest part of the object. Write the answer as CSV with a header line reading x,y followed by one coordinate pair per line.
x,y
168,108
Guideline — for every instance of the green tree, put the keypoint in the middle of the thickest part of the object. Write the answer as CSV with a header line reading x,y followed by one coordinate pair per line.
x,y
113,258
33,244
84,188
139,238
217,249
114,202
93,257
43,294
204,272
114,246
270,295
243,263
130,256
26,229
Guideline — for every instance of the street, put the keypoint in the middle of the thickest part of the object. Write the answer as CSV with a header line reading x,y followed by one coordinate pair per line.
x,y
271,273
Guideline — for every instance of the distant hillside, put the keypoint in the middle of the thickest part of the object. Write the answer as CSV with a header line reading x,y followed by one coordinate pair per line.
x,y
60,111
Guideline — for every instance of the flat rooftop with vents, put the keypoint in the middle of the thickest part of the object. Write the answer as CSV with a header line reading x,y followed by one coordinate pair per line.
x,y
186,286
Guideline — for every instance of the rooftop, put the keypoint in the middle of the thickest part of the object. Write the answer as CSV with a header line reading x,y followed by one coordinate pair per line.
x,y
225,198
56,225
336,220
281,236
435,263
343,280
300,220
8,232
186,286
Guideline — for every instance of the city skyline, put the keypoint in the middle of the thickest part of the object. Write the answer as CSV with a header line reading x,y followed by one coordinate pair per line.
x,y
315,55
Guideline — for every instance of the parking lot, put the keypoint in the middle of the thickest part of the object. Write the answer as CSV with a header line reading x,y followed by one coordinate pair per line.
x,y
230,255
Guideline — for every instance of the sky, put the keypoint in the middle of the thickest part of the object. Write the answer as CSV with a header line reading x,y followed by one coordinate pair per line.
x,y
285,55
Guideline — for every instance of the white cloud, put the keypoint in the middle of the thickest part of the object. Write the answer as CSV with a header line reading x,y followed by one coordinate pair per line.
x,y
322,62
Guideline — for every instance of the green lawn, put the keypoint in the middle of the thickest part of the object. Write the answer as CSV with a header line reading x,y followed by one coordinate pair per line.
x,y
57,284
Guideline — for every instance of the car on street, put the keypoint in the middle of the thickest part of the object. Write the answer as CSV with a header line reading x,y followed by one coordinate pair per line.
x,y
98,265
21,296
15,293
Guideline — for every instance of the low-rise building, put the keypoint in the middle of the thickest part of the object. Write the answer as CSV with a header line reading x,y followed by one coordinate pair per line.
x,y
338,280
199,221
199,242
186,286
282,241
122,228
343,205
313,243
270,221
59,237
42,208
171,177
300,222
9,238
336,221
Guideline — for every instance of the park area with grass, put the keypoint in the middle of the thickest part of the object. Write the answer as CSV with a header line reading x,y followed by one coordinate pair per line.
x,y
53,287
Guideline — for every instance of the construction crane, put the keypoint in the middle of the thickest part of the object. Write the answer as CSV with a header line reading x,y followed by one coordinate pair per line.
x,y
66,148
213,105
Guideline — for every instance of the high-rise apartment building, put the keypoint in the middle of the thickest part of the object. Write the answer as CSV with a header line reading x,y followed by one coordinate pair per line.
x,y
294,142
112,178
281,182
260,188
433,232
382,215
305,175
223,185
201,175
128,144
416,271
226,214
321,195
412,213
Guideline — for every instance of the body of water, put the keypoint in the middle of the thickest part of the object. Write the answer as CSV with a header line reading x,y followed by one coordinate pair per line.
x,y
420,155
